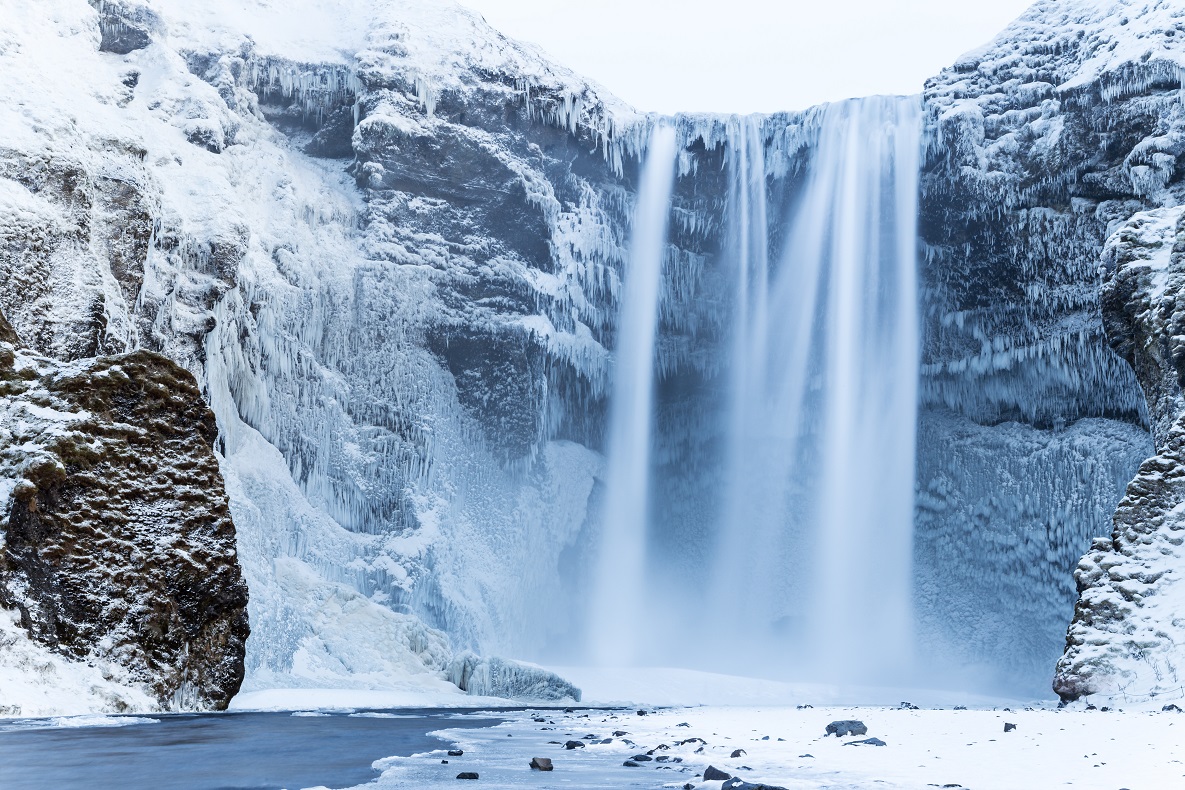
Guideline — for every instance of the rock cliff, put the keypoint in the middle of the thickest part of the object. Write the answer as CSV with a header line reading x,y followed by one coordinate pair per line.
x,y
117,544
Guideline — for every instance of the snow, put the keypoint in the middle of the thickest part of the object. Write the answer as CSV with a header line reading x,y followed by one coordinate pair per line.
x,y
35,681
929,747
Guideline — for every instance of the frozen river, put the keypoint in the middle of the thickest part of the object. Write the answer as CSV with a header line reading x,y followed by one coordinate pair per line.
x,y
207,751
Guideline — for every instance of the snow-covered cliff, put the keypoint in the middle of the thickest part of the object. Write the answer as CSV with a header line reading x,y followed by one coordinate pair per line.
x,y
1044,142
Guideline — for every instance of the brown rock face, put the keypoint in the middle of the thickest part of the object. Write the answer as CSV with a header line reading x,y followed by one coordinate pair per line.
x,y
118,540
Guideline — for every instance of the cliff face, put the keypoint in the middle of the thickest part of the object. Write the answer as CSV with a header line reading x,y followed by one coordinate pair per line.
x,y
1125,640
1042,144
118,546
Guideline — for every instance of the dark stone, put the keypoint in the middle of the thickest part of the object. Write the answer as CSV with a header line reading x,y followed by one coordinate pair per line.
x,y
619,733
125,27
805,707
642,758
455,752
444,762
741,784
541,764
7,333
1009,727
574,745
866,742
1170,708
631,764
173,597
641,713
908,706
738,753
467,775
847,727
714,774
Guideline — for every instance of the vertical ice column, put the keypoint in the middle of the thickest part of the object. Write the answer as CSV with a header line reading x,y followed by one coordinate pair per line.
x,y
619,583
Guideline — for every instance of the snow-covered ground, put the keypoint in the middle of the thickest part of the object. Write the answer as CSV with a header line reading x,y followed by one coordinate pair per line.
x,y
786,747
953,740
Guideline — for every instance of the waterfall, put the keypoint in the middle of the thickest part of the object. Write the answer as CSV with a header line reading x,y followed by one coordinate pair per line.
x,y
812,570
619,581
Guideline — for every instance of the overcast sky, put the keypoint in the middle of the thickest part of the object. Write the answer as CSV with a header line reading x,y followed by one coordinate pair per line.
x,y
751,55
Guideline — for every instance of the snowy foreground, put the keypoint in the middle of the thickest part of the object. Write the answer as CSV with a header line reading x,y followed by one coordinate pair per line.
x,y
1137,747
924,748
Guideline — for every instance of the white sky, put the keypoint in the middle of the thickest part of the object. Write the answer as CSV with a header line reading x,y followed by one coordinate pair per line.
x,y
752,55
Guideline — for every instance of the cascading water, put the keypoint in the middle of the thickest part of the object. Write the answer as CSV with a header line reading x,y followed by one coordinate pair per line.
x,y
813,565
620,578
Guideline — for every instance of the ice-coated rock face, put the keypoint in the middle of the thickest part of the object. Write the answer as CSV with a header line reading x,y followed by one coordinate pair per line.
x,y
116,543
393,366
1125,640
1042,143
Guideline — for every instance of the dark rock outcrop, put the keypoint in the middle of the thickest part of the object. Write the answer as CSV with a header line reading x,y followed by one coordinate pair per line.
x,y
126,27
117,537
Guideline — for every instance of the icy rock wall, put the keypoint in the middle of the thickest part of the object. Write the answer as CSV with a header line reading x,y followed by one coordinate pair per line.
x,y
1041,145
399,358
1125,642
116,543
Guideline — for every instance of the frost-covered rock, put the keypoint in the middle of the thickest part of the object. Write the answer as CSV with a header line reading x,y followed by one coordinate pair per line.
x,y
1042,143
498,677
116,543
1127,639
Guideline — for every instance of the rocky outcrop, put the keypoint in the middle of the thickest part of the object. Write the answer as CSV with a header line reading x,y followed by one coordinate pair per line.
x,y
116,542
1127,639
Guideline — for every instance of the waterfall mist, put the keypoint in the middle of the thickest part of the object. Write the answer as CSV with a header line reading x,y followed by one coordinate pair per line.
x,y
619,581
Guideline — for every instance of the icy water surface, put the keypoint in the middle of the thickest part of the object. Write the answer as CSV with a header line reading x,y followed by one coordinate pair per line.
x,y
209,751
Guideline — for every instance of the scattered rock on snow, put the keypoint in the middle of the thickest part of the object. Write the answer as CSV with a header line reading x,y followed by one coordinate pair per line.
x,y
867,742
739,753
848,727
714,774
541,764
1009,727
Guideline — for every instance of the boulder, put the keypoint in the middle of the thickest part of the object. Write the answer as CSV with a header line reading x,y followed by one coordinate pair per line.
x,y
847,727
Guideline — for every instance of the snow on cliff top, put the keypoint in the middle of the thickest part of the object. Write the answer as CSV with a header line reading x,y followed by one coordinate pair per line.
x,y
435,40
1086,40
